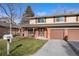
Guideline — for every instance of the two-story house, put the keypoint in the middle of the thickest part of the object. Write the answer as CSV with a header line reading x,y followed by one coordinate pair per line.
x,y
52,27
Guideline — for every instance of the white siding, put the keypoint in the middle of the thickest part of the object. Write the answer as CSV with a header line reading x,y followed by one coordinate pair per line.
x,y
33,21
78,18
70,19
49,20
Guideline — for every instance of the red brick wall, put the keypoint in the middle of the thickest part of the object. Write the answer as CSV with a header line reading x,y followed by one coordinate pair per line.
x,y
73,34
36,34
3,30
45,33
48,33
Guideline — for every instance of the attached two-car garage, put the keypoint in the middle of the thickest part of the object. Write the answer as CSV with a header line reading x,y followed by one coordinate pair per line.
x,y
72,34
57,33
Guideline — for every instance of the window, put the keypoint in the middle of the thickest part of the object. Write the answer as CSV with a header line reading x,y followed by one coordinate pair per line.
x,y
59,19
41,20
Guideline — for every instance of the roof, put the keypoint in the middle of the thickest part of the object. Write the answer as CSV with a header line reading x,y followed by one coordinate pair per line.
x,y
52,25
6,19
56,15
5,22
8,25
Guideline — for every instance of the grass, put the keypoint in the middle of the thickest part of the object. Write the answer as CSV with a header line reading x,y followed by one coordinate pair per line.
x,y
21,46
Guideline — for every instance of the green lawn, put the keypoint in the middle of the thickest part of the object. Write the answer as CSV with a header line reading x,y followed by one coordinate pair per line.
x,y
21,46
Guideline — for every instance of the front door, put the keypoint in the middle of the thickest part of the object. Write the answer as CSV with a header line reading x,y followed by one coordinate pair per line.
x,y
31,32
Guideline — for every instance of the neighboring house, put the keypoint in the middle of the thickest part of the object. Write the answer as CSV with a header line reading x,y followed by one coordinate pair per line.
x,y
5,26
3,30
52,27
6,20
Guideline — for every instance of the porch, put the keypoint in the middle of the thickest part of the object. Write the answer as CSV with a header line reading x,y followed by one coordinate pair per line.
x,y
37,33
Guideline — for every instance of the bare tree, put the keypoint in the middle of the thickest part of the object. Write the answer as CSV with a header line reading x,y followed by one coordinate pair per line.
x,y
10,10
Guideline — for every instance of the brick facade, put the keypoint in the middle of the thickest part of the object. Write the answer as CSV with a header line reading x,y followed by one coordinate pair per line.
x,y
36,34
53,29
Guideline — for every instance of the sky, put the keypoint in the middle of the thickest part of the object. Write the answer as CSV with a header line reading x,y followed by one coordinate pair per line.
x,y
42,9
50,8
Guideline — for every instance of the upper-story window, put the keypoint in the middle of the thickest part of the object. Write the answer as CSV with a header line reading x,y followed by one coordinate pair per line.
x,y
41,20
59,19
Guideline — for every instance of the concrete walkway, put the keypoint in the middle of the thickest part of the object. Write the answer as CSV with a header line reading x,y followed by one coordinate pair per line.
x,y
55,48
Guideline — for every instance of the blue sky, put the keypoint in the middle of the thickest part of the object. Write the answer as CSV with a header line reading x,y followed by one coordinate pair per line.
x,y
41,9
50,8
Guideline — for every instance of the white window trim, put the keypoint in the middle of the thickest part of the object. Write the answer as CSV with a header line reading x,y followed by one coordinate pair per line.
x,y
59,21
41,22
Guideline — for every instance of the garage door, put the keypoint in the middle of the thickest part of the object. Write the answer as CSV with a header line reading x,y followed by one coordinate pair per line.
x,y
73,34
57,34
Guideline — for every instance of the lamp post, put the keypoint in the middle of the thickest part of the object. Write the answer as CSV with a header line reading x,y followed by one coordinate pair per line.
x,y
10,28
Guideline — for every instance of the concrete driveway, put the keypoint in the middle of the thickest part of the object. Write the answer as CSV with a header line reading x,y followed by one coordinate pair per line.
x,y
55,48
